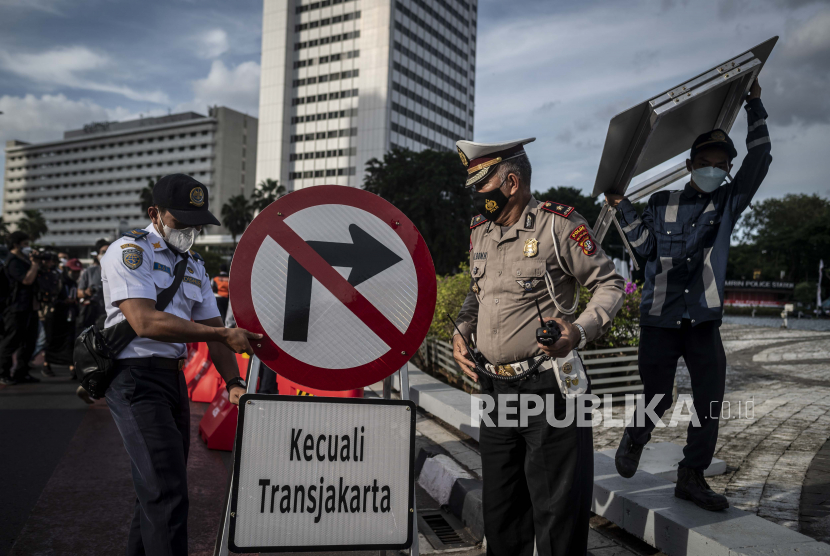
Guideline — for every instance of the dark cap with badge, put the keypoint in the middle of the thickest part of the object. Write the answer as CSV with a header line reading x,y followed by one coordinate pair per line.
x,y
185,198
480,159
715,139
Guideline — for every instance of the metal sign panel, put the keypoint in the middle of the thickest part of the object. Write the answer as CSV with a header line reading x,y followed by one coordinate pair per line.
x,y
322,474
339,281
665,126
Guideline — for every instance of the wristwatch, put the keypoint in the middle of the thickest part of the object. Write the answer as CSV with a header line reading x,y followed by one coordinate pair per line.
x,y
236,381
583,338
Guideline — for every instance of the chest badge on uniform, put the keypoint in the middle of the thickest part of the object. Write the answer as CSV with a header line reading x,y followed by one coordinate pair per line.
x,y
531,247
528,285
132,258
475,288
190,270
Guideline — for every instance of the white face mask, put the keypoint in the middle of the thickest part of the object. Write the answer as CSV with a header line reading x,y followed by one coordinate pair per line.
x,y
26,250
180,240
709,178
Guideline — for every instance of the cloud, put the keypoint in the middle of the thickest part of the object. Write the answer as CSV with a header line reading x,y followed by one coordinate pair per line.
x,y
212,44
548,106
47,6
71,67
236,88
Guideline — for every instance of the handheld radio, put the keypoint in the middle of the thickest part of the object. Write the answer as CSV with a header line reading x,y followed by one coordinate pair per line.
x,y
549,332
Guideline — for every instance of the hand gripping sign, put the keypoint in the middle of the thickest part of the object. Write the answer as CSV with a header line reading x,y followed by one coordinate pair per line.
x,y
339,282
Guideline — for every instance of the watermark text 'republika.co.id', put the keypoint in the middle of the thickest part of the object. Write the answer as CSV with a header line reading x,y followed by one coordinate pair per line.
x,y
512,410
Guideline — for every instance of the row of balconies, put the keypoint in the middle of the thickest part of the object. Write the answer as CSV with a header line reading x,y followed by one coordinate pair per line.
x,y
131,174
103,149
116,163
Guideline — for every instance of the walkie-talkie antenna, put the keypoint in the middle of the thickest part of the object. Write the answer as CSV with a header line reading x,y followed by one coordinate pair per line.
x,y
456,326
538,310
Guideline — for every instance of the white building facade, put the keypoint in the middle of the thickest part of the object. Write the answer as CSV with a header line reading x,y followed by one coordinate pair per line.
x,y
88,185
344,81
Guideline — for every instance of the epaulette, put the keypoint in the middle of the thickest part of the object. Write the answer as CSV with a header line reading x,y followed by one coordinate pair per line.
x,y
196,256
136,234
477,221
557,208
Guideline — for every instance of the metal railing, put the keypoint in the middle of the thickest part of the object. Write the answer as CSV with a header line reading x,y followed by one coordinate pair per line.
x,y
613,371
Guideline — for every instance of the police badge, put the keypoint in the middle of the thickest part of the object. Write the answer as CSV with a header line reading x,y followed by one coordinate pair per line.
x,y
132,258
531,247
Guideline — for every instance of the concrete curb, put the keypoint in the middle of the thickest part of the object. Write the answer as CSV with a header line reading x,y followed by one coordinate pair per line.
x,y
643,505
464,493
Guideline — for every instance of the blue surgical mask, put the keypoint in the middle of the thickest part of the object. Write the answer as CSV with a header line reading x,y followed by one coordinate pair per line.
x,y
709,178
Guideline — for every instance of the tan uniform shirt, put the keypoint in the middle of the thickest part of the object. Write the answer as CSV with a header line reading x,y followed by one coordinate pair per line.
x,y
508,275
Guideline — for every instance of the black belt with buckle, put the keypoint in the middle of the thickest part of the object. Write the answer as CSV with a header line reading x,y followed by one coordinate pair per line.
x,y
152,363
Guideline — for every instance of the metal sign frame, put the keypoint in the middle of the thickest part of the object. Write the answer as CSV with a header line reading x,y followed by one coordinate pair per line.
x,y
665,126
243,404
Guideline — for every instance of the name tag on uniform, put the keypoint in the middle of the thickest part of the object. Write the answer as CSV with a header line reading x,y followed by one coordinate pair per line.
x,y
163,268
192,280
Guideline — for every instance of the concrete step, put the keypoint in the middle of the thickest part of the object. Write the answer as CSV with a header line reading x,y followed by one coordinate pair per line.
x,y
661,459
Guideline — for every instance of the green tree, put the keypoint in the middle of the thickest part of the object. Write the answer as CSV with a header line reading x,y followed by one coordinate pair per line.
x,y
4,232
588,207
790,234
452,289
33,224
236,215
428,187
213,261
146,196
266,193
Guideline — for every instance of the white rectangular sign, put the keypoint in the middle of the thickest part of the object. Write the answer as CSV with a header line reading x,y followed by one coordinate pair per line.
x,y
323,473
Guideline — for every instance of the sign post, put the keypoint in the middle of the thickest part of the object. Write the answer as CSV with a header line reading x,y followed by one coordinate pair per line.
x,y
342,287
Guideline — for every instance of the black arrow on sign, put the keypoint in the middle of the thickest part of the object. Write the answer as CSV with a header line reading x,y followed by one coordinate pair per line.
x,y
366,256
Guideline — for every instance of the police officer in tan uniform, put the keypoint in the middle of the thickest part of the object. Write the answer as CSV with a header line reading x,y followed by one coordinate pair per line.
x,y
538,479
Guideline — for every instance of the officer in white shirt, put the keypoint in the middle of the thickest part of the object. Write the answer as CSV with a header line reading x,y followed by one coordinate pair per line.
x,y
148,396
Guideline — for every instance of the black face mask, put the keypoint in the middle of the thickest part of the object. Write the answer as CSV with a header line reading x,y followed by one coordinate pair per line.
x,y
490,204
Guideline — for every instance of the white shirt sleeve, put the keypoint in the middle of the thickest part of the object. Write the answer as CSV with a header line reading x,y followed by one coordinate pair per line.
x,y
129,271
207,309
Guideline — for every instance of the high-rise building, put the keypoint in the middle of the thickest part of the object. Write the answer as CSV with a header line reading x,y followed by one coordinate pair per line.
x,y
88,184
344,81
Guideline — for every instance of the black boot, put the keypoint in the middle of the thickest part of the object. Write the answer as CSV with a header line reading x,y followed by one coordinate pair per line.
x,y
692,486
628,456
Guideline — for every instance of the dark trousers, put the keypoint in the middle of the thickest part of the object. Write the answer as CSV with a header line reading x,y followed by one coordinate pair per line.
x,y
21,334
538,480
222,305
702,350
152,413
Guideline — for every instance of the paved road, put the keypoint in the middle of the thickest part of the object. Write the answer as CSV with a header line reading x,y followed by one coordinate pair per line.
x,y
768,445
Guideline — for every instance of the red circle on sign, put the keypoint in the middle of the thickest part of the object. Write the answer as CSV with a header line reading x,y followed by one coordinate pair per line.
x,y
271,222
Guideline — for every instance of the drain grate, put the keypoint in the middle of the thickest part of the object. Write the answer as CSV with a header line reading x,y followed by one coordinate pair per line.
x,y
442,529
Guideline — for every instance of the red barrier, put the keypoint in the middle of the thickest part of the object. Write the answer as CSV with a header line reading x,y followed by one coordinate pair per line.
x,y
288,388
218,426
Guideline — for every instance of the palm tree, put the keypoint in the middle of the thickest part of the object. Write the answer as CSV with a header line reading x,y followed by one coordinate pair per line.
x,y
33,224
146,196
237,213
266,193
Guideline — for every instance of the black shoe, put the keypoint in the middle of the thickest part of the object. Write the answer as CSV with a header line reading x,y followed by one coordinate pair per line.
x,y
7,381
692,486
27,379
628,455
47,371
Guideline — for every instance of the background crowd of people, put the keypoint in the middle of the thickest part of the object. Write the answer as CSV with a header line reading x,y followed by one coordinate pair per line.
x,y
47,299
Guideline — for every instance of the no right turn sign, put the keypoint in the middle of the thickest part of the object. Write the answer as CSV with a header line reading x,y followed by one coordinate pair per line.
x,y
340,283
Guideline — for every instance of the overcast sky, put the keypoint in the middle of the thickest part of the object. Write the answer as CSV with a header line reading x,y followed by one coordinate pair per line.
x,y
551,69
